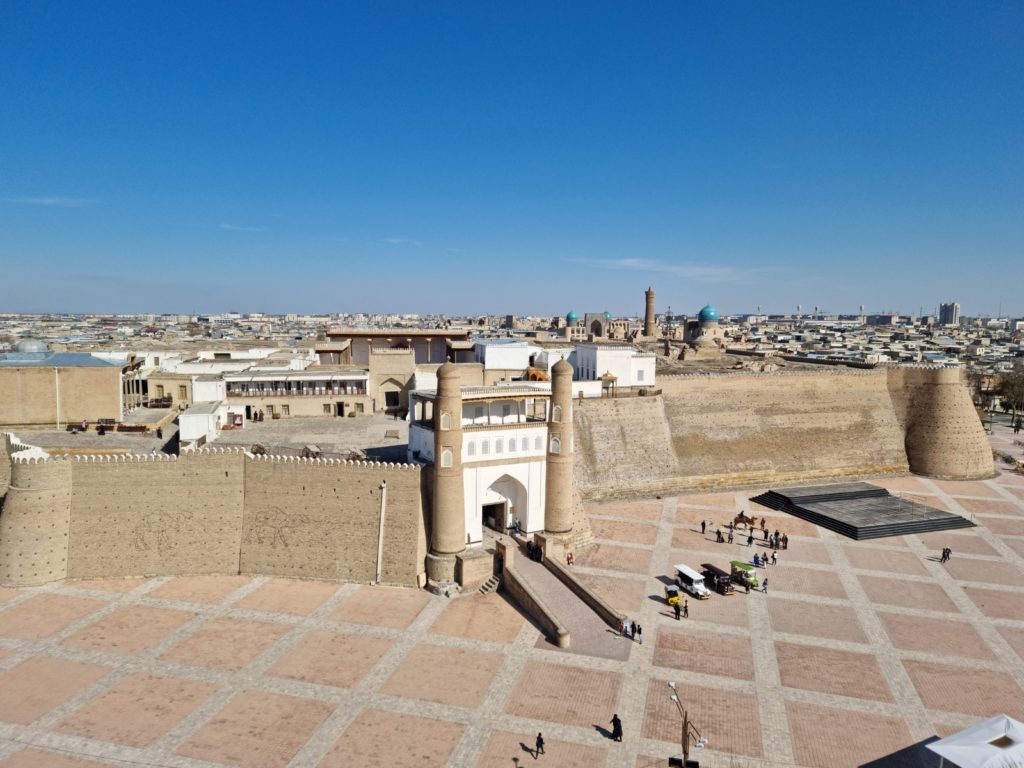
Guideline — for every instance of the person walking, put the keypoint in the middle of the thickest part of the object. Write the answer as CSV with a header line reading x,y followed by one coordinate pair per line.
x,y
640,634
686,609
678,610
703,526
632,630
540,746
775,558
750,539
765,532
616,728
730,535
764,585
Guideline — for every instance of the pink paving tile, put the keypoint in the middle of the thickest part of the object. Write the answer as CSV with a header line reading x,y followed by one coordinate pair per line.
x,y
6,593
377,738
139,710
827,670
1003,526
1015,638
541,689
997,604
39,684
633,533
967,543
480,617
867,558
120,586
967,488
990,507
38,758
257,730
200,589
728,611
961,689
734,734
503,747
299,598
834,622
800,551
934,502
690,538
44,615
614,558
826,737
905,593
987,571
803,580
328,658
454,676
710,653
645,509
944,637
623,594
228,644
1017,545
721,500
128,630
392,607
900,484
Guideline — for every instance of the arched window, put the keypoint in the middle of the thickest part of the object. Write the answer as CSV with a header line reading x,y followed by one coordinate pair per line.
x,y
556,413
511,445
556,444
536,443
498,445
446,421
471,449
485,447
446,457
526,444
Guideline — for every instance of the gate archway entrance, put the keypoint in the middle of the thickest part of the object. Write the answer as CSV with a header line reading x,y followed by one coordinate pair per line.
x,y
503,503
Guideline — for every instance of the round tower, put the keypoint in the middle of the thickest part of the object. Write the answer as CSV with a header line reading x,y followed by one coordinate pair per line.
x,y
558,490
448,528
650,328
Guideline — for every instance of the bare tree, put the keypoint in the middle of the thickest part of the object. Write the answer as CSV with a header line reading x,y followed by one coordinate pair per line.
x,y
1011,389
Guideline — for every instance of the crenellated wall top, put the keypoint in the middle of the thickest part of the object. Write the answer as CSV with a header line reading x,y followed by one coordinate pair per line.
x,y
321,462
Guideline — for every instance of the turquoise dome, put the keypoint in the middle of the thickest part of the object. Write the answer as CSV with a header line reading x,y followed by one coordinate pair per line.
x,y
708,315
608,317
571,317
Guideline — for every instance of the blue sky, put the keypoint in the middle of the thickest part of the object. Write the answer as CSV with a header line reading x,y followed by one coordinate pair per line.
x,y
511,157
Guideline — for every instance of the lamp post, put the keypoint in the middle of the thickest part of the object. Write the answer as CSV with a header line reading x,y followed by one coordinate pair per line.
x,y
689,730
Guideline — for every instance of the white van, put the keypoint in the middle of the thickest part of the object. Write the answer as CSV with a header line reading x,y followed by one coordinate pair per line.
x,y
692,582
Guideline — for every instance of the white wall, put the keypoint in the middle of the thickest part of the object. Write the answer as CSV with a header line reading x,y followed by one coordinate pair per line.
x,y
473,443
422,441
531,477
204,390
505,356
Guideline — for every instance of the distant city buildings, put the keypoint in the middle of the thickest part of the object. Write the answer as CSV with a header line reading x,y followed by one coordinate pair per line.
x,y
949,314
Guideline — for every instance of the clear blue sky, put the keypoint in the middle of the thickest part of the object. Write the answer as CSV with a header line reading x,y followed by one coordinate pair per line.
x,y
511,157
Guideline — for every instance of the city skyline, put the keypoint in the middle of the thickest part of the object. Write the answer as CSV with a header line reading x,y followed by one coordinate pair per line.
x,y
529,160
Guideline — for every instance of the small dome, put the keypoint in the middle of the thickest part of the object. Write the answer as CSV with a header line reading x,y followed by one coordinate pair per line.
x,y
607,317
448,371
562,367
572,317
708,315
31,346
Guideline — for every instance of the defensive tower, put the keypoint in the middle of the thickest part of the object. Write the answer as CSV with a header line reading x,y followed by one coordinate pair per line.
x,y
558,488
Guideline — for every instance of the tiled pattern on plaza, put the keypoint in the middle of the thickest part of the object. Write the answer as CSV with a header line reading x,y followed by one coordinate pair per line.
x,y
858,650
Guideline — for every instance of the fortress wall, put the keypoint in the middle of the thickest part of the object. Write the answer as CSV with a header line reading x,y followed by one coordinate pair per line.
x,y
318,518
34,523
944,437
144,515
741,429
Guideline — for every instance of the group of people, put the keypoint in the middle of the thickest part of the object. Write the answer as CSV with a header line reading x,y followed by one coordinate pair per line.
x,y
534,551
616,725
763,561
775,540
946,554
632,630
683,610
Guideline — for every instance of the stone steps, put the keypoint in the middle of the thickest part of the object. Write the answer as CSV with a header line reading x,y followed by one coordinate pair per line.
x,y
490,585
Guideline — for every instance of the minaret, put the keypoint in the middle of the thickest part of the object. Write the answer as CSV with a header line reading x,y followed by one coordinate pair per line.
x,y
558,492
448,529
650,329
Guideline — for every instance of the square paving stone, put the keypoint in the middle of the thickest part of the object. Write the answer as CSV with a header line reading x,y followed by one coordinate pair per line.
x,y
867,558
644,509
565,694
827,670
801,551
502,747
119,586
37,758
299,598
998,603
834,622
623,594
634,533
905,593
969,543
1017,545
6,593
826,737
446,675
228,644
377,739
391,607
989,507
257,730
129,630
1002,526
39,684
803,580
961,689
967,488
199,589
720,500
710,653
727,611
613,558
328,658
986,571
1015,638
729,719
139,710
480,617
900,484
939,636
44,615
689,538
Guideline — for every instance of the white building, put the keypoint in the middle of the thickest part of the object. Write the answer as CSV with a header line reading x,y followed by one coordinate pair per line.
x,y
629,366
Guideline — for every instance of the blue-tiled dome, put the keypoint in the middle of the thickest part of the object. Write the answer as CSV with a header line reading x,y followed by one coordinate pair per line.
x,y
708,315
608,317
31,346
571,317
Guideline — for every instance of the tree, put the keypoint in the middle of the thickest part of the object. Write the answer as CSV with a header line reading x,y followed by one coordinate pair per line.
x,y
1011,389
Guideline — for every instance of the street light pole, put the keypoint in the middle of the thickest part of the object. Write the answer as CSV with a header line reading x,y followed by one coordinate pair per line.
x,y
689,729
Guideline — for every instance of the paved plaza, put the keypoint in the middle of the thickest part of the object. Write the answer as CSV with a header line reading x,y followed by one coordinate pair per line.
x,y
859,650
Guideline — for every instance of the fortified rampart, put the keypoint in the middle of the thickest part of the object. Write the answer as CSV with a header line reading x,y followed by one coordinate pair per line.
x,y
732,429
210,511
